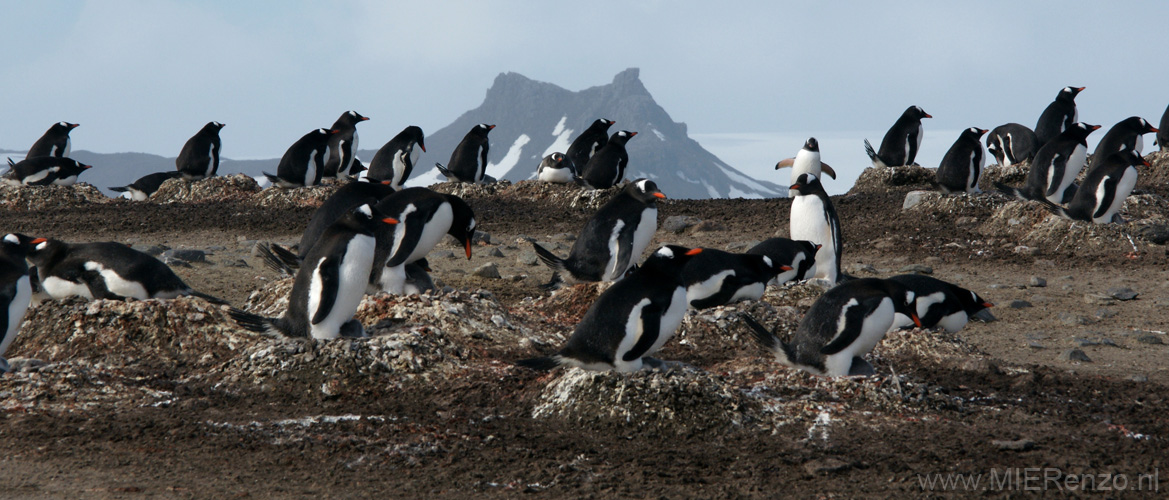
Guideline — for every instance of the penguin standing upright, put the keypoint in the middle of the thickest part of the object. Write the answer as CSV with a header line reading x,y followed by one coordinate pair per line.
x,y
342,145
54,142
938,303
396,159
807,161
199,158
716,278
1127,135
303,163
1058,116
799,256
424,217
962,165
1104,190
588,143
606,168
1012,143
629,321
469,159
15,288
105,270
44,170
1055,167
146,185
556,168
1163,131
901,142
842,325
813,218
329,286
613,239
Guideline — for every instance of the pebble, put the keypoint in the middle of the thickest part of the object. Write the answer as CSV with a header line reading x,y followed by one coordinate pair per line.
x,y
1019,304
1026,250
741,246
1150,339
495,252
488,270
155,250
825,466
1097,299
1075,355
1035,345
187,254
1016,445
1070,319
1105,313
234,263
1139,378
173,262
1122,293
998,286
860,268
915,198
442,254
1038,282
527,258
709,226
565,236
917,269
679,223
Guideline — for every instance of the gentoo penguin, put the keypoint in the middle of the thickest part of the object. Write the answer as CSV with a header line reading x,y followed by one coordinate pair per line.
x,y
15,288
606,168
716,278
356,168
469,159
146,185
55,142
813,218
1058,116
304,161
962,165
798,256
841,326
1104,190
807,161
329,287
612,240
1124,136
629,321
424,217
556,168
588,143
1012,143
396,159
1055,167
342,145
199,158
45,170
105,270
901,142
938,303
336,206
1163,132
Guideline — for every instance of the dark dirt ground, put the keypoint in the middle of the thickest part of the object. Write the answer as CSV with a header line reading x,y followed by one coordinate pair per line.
x,y
471,433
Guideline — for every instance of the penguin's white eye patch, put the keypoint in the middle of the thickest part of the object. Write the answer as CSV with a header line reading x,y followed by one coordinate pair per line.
x,y
63,124
42,245
365,210
768,261
353,114
11,238
909,297
665,252
641,185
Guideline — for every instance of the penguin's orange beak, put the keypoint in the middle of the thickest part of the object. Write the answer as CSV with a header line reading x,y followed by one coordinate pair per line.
x,y
794,186
364,118
916,320
694,251
987,304
927,115
1095,127
386,183
1152,130
819,246
659,195
390,220
334,131
38,241
423,146
1081,89
84,167
467,244
785,268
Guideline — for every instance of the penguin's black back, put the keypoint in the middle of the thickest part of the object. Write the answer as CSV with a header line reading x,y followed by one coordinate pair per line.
x,y
819,325
341,202
606,168
470,156
341,143
1057,116
1083,205
590,251
1120,138
53,142
1018,142
965,154
66,167
957,298
588,142
150,183
309,148
904,132
1163,131
68,261
1053,154
200,154
381,167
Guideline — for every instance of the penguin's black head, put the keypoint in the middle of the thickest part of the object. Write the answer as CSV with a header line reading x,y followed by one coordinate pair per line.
x,y
213,127
806,184
765,267
463,222
414,132
970,301
974,133
366,218
903,299
622,137
812,145
602,124
43,251
917,113
357,168
355,116
1139,125
1069,93
669,261
1081,130
645,191
18,246
1127,158
65,126
482,128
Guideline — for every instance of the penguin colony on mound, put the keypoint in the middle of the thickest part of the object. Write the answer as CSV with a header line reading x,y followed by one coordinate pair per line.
x,y
373,235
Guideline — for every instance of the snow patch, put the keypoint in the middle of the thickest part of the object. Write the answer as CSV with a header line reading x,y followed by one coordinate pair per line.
x,y
512,157
687,179
712,191
661,136
560,126
736,193
560,145
744,180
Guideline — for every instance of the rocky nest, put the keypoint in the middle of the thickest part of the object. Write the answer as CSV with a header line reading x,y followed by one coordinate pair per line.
x,y
30,198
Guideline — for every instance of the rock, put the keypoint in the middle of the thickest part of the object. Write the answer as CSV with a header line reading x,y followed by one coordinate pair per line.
x,y
482,238
1151,339
1157,234
1139,378
1085,342
442,254
1016,445
1070,319
709,226
1122,293
741,246
495,252
25,364
1074,355
155,250
861,268
915,198
1035,345
679,223
917,269
527,258
1026,250
173,262
825,466
234,263
186,254
1019,304
565,236
1038,282
488,270
1105,313
1098,299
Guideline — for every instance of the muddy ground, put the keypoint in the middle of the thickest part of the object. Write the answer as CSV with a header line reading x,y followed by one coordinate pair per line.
x,y
170,400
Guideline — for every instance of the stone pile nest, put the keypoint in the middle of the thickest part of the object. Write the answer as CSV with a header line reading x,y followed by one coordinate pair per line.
x,y
27,198
875,179
547,193
234,187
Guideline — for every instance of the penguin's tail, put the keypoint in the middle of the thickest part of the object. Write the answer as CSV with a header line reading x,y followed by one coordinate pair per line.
x,y
10,162
557,265
871,152
256,323
544,363
782,351
1055,209
279,259
1011,191
444,170
121,189
276,180
209,298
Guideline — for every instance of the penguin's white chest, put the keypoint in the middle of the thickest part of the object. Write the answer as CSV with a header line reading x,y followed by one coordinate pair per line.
x,y
58,288
1103,214
809,221
120,285
353,274
707,287
16,310
806,162
310,169
635,328
556,175
210,161
872,330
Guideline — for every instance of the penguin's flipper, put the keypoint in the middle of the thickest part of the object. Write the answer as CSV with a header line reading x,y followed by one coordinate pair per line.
x,y
828,170
651,321
256,323
120,189
273,261
854,319
870,151
353,329
444,171
97,286
209,298
329,272
543,363
861,367
785,163
10,162
1070,193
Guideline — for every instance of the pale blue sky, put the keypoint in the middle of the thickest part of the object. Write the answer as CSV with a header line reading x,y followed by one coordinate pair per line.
x,y
145,75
